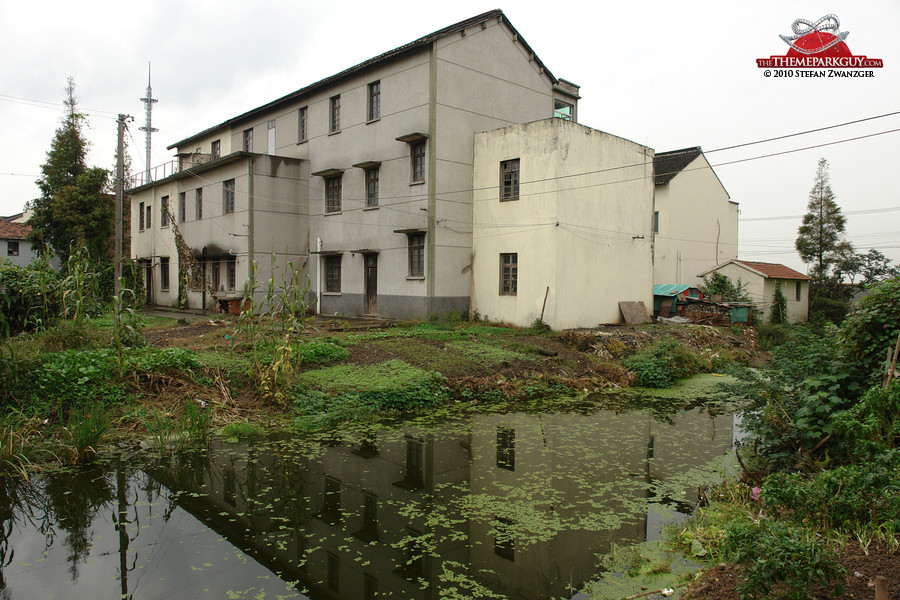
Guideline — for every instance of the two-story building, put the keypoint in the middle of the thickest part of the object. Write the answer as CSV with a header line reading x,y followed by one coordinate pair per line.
x,y
365,178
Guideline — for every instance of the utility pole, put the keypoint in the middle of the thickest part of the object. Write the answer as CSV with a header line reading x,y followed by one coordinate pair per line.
x,y
120,201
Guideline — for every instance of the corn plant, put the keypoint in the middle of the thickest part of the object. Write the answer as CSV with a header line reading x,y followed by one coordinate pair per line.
x,y
80,288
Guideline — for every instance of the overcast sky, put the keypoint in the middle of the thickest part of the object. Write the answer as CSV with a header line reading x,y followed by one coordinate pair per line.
x,y
666,74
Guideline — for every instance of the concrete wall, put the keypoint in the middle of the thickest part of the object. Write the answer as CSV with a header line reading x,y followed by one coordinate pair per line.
x,y
580,228
698,225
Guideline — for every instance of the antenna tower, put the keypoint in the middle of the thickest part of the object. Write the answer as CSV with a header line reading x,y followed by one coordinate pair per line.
x,y
149,101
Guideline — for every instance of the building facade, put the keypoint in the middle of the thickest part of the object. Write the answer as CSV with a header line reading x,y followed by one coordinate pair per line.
x,y
562,224
363,179
13,245
695,223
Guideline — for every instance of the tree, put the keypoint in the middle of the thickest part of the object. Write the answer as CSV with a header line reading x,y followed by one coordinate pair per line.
x,y
876,267
778,313
820,239
73,208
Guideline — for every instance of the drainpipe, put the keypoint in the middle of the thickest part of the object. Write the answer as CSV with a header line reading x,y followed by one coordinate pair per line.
x,y
251,275
432,176
319,275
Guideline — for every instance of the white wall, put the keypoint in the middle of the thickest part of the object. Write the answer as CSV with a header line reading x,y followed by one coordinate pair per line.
x,y
698,225
580,228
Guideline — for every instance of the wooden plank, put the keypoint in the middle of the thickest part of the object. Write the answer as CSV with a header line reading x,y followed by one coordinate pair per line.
x,y
634,312
665,308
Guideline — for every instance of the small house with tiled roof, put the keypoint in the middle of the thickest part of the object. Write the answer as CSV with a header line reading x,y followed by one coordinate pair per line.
x,y
695,222
13,245
761,279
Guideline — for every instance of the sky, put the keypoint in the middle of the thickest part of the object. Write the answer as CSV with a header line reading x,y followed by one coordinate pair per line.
x,y
665,74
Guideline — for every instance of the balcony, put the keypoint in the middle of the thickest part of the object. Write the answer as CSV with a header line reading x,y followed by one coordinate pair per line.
x,y
159,172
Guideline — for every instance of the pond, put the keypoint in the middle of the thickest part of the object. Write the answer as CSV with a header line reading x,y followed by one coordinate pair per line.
x,y
513,505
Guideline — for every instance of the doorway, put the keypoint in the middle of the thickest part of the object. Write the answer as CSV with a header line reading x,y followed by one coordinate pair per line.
x,y
371,283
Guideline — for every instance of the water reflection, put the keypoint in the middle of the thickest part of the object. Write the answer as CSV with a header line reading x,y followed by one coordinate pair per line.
x,y
500,506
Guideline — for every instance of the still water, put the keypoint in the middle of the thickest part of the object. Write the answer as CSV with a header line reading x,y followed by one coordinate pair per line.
x,y
493,506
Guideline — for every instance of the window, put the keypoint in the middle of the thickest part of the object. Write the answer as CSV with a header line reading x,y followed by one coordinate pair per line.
x,y
333,273
509,179
415,466
656,221
248,140
799,289
332,505
182,207
270,138
416,254
232,272
370,587
509,265
333,194
12,248
372,186
334,121
334,574
149,216
369,530
374,101
199,203
414,565
417,154
228,196
506,448
141,216
164,272
303,124
215,150
164,212
563,110
503,539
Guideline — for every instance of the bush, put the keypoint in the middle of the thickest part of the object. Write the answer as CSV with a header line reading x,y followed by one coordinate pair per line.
x,y
32,296
872,328
847,497
778,556
827,310
770,336
663,363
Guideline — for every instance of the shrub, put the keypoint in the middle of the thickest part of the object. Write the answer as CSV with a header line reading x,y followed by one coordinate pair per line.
x,y
872,328
663,363
770,336
778,556
33,300
827,310
320,352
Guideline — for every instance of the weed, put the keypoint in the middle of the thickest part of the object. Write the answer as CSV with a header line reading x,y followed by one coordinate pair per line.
x,y
663,363
319,352
17,436
779,556
87,427
242,430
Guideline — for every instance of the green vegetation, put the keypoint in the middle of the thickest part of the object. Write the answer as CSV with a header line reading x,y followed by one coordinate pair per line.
x,y
824,456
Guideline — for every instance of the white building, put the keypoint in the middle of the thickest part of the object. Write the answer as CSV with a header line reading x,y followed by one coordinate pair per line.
x,y
695,223
365,177
562,225
760,280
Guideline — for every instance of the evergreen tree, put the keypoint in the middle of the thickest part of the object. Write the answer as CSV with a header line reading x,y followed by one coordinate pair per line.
x,y
778,312
820,239
73,208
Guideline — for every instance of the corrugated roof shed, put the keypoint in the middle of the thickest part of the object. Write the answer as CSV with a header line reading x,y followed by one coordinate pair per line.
x,y
669,289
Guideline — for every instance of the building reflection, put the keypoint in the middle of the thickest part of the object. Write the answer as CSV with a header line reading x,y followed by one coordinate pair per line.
x,y
519,503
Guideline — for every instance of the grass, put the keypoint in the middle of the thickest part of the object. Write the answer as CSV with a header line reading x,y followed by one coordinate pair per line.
x,y
486,354
388,375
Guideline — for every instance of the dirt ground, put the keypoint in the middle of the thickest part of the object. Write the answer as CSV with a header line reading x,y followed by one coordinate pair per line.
x,y
862,568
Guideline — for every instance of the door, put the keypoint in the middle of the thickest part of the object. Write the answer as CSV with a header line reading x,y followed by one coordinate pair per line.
x,y
148,282
371,283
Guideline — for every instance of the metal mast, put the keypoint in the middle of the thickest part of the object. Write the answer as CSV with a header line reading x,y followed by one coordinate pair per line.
x,y
149,101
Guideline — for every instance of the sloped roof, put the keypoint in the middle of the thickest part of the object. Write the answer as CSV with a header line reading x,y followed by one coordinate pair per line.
x,y
666,165
773,270
669,289
415,45
767,270
14,231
